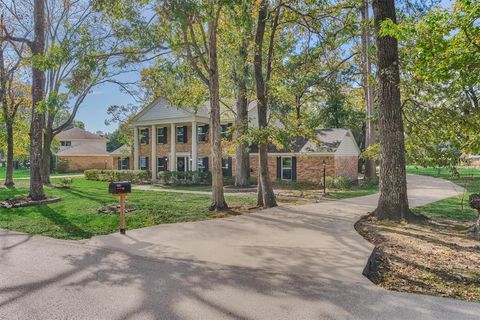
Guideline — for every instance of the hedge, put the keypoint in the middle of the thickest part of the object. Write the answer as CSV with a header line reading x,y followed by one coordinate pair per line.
x,y
134,176
185,177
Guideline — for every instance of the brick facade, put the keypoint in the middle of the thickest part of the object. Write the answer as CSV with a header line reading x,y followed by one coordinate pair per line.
x,y
81,163
309,167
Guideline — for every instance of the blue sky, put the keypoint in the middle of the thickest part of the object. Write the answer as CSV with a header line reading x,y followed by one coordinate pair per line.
x,y
93,112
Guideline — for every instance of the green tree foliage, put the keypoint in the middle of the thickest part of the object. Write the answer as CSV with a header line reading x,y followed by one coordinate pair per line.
x,y
441,76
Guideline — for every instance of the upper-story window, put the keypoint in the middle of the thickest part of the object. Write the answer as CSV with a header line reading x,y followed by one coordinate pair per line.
x,y
144,136
162,135
202,133
66,143
182,134
225,130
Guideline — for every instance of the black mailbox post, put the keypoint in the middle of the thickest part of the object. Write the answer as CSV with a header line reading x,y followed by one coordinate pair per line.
x,y
121,188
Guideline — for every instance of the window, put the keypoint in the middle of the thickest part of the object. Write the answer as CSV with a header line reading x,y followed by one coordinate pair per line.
x,y
144,136
227,167
124,164
287,166
182,134
162,164
225,131
202,164
144,163
66,143
162,135
202,133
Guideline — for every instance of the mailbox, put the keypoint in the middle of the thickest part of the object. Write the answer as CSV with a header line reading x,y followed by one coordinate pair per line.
x,y
119,187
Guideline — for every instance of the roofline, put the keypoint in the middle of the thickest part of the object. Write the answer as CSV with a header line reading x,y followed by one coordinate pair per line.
x,y
79,139
178,120
151,105
85,155
297,153
354,141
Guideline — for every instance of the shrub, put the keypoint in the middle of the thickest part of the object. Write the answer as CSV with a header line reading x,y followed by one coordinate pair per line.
x,y
369,183
66,183
185,177
62,165
329,181
343,183
134,176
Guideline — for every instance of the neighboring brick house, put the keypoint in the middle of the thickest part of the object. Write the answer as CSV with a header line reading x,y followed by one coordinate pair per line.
x,y
83,150
157,149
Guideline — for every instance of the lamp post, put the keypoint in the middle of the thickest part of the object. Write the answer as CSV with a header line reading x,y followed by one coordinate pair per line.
x,y
324,176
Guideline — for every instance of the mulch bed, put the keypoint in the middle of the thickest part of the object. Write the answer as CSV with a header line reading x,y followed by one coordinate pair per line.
x,y
435,257
115,209
26,202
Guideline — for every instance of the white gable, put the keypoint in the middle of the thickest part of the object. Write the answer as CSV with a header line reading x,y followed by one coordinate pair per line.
x,y
348,146
160,110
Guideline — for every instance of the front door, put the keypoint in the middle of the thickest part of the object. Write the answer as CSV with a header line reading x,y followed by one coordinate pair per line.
x,y
182,164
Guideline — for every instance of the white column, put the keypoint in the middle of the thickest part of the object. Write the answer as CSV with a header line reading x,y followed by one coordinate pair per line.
x,y
135,148
153,141
173,149
194,146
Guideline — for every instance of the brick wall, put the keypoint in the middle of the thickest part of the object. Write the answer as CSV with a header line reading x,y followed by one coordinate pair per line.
x,y
346,167
78,164
163,150
310,168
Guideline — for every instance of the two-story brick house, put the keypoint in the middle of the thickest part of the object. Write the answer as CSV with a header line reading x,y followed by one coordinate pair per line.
x,y
177,139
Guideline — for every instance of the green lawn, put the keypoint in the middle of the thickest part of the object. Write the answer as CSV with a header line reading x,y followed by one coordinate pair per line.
x,y
356,192
25,173
451,208
76,216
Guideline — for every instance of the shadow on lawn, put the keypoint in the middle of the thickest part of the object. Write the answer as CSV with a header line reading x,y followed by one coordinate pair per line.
x,y
61,221
92,196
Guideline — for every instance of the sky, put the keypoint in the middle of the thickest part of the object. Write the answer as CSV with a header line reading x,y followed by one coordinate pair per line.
x,y
93,112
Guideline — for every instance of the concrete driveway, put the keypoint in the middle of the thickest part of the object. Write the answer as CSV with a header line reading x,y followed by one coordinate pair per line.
x,y
302,262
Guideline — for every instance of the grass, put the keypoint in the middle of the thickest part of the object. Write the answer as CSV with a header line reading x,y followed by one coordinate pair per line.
x,y
181,187
25,173
454,208
352,193
76,216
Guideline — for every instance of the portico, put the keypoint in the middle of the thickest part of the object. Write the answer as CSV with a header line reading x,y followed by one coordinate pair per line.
x,y
167,138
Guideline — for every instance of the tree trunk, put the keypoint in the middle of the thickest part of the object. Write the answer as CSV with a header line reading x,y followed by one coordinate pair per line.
x,y
393,201
38,87
265,188
242,157
46,156
9,174
218,198
370,167
8,116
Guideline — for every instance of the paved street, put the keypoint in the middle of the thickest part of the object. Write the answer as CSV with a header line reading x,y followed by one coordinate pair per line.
x,y
301,262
